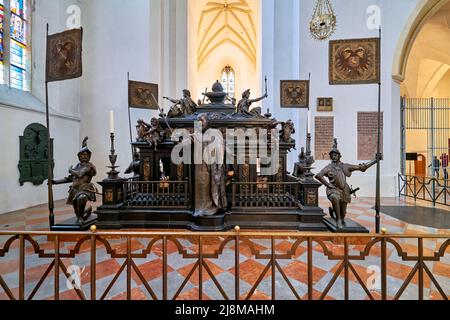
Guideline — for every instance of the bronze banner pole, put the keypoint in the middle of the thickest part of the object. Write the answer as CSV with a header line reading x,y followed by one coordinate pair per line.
x,y
129,115
51,205
378,187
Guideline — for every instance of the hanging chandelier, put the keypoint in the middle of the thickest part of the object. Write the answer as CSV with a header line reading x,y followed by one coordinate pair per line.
x,y
323,22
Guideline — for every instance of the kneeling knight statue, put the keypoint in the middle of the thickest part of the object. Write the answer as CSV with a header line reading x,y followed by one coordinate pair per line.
x,y
338,191
82,189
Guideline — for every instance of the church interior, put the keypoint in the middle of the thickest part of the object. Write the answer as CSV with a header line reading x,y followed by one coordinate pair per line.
x,y
225,150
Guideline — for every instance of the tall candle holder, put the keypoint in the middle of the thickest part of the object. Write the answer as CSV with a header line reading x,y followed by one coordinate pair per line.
x,y
113,174
309,159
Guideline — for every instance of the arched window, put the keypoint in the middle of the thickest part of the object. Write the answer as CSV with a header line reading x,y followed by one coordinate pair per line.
x,y
15,56
228,81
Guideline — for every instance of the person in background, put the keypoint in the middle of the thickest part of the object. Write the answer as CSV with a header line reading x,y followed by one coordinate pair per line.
x,y
436,167
444,161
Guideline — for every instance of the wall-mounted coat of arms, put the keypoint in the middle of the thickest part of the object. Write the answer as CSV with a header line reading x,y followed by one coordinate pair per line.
x,y
294,93
355,61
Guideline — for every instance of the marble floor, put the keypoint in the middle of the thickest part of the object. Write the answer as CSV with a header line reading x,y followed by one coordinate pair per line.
x,y
291,284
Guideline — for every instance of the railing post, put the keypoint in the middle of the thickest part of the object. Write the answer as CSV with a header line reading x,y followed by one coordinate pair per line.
x,y
200,270
93,268
421,263
56,275
310,269
236,267
346,270
128,268
273,269
22,268
165,268
383,269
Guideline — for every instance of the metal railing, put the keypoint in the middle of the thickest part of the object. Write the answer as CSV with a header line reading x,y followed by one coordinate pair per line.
x,y
167,194
428,189
280,248
266,194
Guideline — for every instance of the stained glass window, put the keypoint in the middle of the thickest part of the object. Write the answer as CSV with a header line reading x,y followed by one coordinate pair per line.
x,y
1,43
16,64
228,81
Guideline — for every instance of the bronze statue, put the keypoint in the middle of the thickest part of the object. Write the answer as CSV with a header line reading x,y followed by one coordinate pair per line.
x,y
82,189
141,129
152,133
286,131
184,106
299,167
244,105
135,165
210,188
338,191
155,133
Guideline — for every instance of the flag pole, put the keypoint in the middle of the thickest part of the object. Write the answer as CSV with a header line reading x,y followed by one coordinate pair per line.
x,y
378,185
129,116
51,205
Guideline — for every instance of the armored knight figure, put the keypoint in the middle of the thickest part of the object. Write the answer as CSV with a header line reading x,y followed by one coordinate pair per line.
x,y
184,106
135,165
155,133
82,189
299,167
287,131
338,191
244,105
141,129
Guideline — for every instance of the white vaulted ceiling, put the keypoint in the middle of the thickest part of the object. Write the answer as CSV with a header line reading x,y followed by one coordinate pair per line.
x,y
226,22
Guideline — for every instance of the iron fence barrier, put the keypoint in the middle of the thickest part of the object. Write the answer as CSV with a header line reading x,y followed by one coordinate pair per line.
x,y
346,250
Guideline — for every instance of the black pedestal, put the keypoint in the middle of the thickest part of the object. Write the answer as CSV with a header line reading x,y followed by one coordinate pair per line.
x,y
211,223
349,226
72,225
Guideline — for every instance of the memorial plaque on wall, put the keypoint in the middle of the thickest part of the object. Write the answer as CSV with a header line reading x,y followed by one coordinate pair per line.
x,y
367,135
324,136
34,154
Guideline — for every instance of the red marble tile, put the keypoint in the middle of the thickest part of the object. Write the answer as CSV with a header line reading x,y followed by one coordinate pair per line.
x,y
9,266
286,247
250,271
299,271
4,296
158,248
121,248
256,296
194,279
192,295
249,249
150,270
103,269
316,296
442,269
401,272
136,294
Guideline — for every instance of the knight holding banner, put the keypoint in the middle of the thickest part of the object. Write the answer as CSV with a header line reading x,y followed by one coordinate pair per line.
x,y
184,106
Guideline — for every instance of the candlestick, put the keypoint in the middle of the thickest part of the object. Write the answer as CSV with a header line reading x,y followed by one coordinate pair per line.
x,y
113,174
309,122
111,121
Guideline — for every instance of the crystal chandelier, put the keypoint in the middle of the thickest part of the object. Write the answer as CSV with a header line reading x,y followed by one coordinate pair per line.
x,y
323,22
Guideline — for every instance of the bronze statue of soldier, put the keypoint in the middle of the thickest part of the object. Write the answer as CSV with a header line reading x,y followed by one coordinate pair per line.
x,y
245,103
82,189
338,191
135,165
182,107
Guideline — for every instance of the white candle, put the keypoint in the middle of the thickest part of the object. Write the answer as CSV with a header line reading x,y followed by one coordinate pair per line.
x,y
111,121
309,122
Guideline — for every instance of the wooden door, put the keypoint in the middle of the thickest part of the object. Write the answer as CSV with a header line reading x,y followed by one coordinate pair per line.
x,y
420,166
